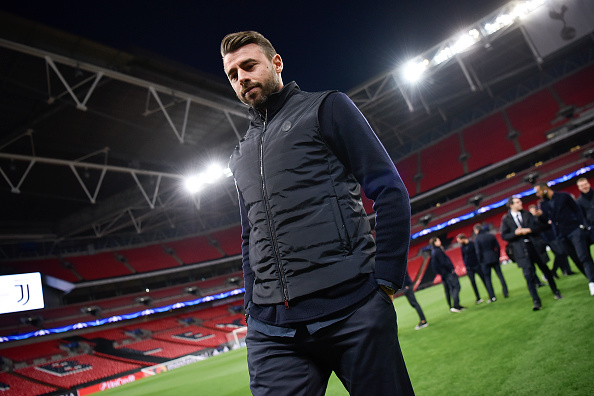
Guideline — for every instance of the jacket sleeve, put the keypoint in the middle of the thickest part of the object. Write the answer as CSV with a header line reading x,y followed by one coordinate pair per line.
x,y
507,233
248,275
352,140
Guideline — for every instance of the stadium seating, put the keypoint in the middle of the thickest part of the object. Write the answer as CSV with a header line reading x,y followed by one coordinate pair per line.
x,y
486,142
149,258
194,250
161,348
11,385
408,169
75,370
229,240
440,163
193,335
577,89
50,266
99,266
532,117
28,353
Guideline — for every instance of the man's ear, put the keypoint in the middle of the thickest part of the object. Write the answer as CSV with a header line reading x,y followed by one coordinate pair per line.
x,y
277,61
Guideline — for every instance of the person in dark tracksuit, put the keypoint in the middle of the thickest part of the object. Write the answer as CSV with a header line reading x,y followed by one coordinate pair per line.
x,y
318,287
473,267
488,252
442,265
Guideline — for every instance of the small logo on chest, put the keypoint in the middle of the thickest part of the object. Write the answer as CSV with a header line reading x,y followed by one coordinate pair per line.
x,y
286,126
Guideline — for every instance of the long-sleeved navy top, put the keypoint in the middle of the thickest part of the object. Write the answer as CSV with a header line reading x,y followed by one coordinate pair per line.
x,y
352,140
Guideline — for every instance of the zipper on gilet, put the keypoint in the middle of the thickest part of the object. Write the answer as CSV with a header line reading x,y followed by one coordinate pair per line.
x,y
269,216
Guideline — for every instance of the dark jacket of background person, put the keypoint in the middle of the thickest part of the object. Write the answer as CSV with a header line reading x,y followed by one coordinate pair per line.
x,y
508,233
586,203
487,248
564,213
469,256
440,262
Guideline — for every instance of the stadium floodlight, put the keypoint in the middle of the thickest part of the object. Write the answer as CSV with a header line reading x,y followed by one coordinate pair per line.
x,y
413,70
521,10
193,184
211,175
462,43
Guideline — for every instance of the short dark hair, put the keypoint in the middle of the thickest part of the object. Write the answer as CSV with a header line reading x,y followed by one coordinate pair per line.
x,y
477,227
432,241
234,41
510,201
542,185
461,236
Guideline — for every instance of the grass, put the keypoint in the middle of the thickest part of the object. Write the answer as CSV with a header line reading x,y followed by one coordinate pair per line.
x,y
503,348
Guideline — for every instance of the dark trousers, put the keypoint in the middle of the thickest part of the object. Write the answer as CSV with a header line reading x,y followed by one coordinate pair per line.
x,y
471,276
412,300
580,241
561,261
529,273
487,273
451,284
362,350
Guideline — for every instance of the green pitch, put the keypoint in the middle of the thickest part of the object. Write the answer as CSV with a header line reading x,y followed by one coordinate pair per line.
x,y
503,348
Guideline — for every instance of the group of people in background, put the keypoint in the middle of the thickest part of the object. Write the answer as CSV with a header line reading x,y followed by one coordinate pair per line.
x,y
559,221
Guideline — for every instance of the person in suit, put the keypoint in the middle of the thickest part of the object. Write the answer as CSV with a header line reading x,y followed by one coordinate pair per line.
x,y
473,267
442,265
560,209
521,229
488,252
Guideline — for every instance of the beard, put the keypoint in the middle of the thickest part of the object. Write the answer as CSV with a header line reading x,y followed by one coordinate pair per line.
x,y
267,88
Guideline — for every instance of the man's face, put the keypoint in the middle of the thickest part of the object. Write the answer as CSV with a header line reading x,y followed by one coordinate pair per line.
x,y
516,205
437,242
252,75
584,186
540,192
463,241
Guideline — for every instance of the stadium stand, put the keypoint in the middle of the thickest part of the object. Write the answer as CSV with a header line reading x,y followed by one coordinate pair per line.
x,y
440,163
194,250
160,348
48,266
408,170
533,117
99,266
193,335
487,143
75,370
228,240
149,258
577,89
11,385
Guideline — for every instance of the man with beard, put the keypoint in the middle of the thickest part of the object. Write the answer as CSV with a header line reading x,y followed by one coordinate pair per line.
x,y
586,202
563,213
521,229
318,288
